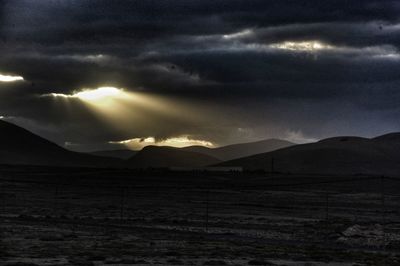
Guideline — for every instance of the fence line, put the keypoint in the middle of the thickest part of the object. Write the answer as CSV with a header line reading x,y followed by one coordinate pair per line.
x,y
228,186
327,198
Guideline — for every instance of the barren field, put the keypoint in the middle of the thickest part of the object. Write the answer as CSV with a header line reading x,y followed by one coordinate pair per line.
x,y
59,216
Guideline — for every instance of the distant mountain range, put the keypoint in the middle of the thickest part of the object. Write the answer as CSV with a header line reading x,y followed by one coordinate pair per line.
x,y
224,153
20,146
193,156
235,151
121,154
339,155
155,156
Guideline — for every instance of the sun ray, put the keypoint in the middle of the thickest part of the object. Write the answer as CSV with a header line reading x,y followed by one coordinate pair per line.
x,y
127,111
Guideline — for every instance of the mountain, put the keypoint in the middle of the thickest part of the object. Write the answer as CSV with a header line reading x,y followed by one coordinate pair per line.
x,y
121,154
339,155
389,138
234,151
20,146
156,156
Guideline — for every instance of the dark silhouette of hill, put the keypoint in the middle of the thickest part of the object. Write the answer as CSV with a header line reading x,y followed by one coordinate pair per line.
x,y
121,154
222,153
155,156
389,138
235,151
339,155
20,146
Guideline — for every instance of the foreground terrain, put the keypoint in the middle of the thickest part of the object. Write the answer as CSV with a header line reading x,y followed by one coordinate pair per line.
x,y
82,216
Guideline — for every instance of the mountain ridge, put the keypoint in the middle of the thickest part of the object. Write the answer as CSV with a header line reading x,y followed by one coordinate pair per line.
x,y
119,153
337,155
239,150
165,156
21,146
222,153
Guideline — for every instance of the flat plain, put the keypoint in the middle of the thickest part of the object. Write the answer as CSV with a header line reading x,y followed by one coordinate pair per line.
x,y
83,216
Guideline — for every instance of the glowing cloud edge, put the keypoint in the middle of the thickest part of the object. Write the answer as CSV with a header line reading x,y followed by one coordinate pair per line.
x,y
9,78
178,142
301,46
89,94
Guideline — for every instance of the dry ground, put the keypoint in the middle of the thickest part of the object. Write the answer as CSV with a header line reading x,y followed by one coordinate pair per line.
x,y
58,216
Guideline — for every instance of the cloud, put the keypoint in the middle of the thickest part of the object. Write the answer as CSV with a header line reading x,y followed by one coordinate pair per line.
x,y
89,94
268,67
180,141
10,78
298,137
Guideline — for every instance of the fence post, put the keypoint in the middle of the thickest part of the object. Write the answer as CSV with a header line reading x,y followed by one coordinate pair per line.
x,y
327,207
383,207
326,215
207,208
121,214
272,165
55,203
3,198
383,212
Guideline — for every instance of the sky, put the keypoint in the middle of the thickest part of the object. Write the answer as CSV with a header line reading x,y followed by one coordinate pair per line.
x,y
93,75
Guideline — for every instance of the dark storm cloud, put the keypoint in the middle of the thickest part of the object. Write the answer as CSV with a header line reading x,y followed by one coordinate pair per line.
x,y
68,22
220,56
357,34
